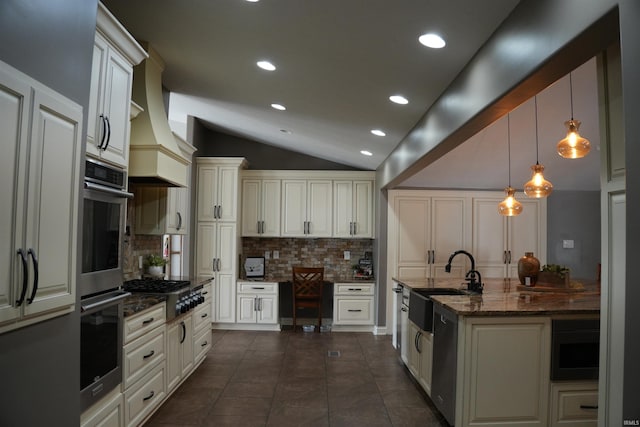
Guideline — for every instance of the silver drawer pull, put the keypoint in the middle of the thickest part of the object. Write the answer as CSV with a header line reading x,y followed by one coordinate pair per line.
x,y
150,396
354,311
442,319
146,356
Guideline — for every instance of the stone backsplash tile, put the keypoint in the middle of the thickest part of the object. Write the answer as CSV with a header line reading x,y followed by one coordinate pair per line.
x,y
327,253
136,245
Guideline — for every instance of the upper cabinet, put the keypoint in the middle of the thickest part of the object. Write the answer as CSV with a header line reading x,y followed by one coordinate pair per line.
x,y
280,203
114,55
40,176
218,188
353,209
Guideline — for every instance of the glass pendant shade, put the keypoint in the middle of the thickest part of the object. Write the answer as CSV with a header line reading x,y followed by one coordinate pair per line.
x,y
538,187
573,146
510,206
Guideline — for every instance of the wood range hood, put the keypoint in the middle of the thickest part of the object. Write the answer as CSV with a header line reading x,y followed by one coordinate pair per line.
x,y
154,155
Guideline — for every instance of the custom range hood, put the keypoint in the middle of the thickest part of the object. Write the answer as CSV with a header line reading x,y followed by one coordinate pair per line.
x,y
154,155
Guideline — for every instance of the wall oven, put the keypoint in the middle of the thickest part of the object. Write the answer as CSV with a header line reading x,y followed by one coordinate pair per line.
x,y
100,345
575,349
103,225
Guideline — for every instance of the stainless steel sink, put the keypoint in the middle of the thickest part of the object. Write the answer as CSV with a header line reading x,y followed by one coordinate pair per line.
x,y
421,305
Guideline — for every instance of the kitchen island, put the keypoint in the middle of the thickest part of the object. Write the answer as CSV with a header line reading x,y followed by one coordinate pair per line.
x,y
489,359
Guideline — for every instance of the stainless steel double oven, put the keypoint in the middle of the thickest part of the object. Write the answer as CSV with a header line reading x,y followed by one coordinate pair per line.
x,y
104,211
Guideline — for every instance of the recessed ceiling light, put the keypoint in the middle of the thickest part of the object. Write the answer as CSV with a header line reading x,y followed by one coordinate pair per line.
x,y
266,65
287,131
253,1
398,99
366,153
432,40
378,132
278,107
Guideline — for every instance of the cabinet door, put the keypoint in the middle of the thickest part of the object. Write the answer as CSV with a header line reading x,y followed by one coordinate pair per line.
x,y
412,351
363,209
294,208
207,192
186,345
268,309
117,104
151,210
246,308
425,344
96,96
226,272
449,231
413,216
343,208
489,246
251,200
53,189
177,219
206,249
270,207
228,193
14,103
174,371
319,212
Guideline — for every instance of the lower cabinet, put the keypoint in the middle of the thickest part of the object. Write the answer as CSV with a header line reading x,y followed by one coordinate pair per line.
x,y
420,356
257,303
202,319
179,350
353,304
108,412
142,398
574,404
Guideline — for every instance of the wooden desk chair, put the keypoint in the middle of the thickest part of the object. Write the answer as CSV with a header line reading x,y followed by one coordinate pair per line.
x,y
307,290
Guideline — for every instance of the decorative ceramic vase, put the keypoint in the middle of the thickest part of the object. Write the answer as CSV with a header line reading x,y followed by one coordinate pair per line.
x,y
528,267
156,271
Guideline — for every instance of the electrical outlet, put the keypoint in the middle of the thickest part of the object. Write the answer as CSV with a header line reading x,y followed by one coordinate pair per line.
x,y
276,254
267,254
347,254
140,262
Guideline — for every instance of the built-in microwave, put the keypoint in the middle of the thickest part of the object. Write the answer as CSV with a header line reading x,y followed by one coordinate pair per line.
x,y
104,212
575,349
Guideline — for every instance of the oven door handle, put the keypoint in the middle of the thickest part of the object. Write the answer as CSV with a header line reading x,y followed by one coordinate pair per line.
x,y
103,188
108,299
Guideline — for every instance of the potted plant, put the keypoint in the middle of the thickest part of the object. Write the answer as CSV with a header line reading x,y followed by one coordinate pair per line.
x,y
554,275
155,264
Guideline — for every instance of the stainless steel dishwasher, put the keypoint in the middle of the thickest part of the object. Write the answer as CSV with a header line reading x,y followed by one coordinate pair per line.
x,y
445,346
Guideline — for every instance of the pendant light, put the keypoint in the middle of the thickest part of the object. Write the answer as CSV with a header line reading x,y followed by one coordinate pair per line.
x,y
573,146
537,187
509,206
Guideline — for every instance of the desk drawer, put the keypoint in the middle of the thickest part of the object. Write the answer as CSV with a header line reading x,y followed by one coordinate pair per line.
x,y
257,287
353,288
353,311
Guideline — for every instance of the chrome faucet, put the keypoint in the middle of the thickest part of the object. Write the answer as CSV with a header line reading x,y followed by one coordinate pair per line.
x,y
474,285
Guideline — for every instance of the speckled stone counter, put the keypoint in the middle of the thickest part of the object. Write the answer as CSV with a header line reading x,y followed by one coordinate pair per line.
x,y
502,297
138,302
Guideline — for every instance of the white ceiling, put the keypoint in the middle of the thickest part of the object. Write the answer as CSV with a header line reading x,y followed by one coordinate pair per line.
x,y
338,62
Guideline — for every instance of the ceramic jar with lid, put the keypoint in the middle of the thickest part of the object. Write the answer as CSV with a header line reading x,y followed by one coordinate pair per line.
x,y
528,269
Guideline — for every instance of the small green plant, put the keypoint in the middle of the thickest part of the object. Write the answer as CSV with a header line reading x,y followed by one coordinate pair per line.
x,y
560,270
155,260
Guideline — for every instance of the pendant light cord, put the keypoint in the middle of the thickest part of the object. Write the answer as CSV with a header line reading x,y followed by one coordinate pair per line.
x,y
509,147
535,103
571,94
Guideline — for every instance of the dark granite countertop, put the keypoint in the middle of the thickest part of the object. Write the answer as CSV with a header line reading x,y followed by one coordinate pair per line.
x,y
504,297
135,303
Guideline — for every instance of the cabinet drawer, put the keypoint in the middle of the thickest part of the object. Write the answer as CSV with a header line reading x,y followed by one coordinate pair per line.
x,y
353,311
108,412
139,324
142,354
201,345
202,317
574,404
353,289
257,288
144,396
207,293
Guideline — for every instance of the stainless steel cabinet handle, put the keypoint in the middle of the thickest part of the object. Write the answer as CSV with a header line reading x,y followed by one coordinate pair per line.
x,y
259,304
25,277
104,131
255,304
108,133
36,271
218,264
509,257
355,229
219,211
442,319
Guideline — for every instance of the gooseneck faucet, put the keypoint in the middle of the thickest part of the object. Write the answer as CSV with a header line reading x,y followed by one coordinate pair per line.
x,y
473,285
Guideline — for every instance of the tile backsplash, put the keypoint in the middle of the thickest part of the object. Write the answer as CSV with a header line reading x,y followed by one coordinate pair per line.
x,y
306,252
136,245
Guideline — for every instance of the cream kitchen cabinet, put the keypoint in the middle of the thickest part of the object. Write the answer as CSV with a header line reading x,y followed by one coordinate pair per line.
x,y
108,412
218,188
353,209
353,305
306,208
216,247
177,219
179,350
40,173
258,303
425,228
114,55
498,241
420,356
261,207
202,327
574,404
160,210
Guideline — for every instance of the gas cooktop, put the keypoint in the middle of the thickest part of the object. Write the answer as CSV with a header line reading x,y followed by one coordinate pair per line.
x,y
156,286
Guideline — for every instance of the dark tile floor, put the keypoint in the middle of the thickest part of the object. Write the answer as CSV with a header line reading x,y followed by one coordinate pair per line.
x,y
288,379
